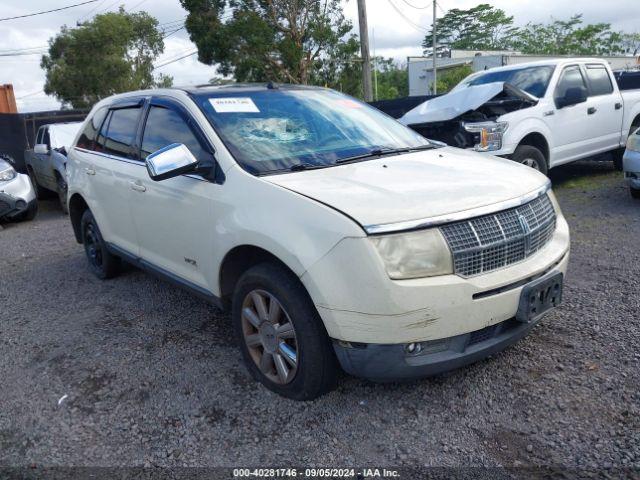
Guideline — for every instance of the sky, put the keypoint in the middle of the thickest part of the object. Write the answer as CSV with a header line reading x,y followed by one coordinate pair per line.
x,y
396,29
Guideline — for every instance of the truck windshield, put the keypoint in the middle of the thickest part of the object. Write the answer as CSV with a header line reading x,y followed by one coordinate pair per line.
x,y
275,130
533,80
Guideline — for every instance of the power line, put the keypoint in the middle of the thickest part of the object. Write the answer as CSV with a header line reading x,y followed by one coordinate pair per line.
x,y
21,54
30,94
175,60
410,22
416,7
47,11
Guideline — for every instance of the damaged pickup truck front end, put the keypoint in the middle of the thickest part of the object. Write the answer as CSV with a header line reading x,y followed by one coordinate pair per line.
x,y
470,117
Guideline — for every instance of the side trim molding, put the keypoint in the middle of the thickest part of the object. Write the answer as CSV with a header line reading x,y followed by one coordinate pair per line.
x,y
166,276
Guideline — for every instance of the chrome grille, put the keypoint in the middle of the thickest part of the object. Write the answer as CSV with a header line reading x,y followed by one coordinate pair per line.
x,y
490,242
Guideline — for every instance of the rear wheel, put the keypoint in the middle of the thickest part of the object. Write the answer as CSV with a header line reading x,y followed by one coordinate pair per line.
x,y
531,157
281,336
102,263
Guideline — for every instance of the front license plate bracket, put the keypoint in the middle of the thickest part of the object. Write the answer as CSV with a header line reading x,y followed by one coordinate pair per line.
x,y
539,297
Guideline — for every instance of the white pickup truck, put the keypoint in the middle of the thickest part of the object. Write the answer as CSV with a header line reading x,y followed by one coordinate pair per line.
x,y
542,114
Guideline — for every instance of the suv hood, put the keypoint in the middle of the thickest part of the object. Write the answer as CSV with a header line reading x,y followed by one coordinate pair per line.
x,y
414,186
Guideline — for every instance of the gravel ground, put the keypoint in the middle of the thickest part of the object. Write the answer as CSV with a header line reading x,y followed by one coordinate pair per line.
x,y
151,375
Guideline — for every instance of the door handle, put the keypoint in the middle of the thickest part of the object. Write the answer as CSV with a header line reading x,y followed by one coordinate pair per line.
x,y
89,171
138,187
618,106
592,110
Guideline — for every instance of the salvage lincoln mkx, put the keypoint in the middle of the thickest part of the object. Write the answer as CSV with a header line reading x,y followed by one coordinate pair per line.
x,y
333,233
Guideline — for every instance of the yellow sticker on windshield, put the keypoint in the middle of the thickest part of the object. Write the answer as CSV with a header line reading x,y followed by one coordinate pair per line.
x,y
233,105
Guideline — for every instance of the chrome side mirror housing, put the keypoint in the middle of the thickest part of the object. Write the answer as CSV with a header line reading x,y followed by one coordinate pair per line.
x,y
171,161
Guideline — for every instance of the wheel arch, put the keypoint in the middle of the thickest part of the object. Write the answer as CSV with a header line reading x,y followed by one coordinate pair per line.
x,y
77,206
539,141
237,261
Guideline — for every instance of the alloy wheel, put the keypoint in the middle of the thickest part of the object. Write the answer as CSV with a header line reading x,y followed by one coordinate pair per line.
x,y
270,336
530,162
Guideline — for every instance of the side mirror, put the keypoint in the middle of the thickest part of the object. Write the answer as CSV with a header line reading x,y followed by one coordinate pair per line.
x,y
40,149
170,161
572,96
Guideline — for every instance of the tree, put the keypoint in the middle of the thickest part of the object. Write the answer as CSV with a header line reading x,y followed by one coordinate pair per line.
x,y
266,40
451,77
112,53
392,79
482,27
569,37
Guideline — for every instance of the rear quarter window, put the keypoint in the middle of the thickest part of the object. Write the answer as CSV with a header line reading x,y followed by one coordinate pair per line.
x,y
599,80
88,136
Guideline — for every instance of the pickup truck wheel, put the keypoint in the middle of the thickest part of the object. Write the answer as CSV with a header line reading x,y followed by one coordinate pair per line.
x,y
62,194
531,157
281,336
102,263
40,192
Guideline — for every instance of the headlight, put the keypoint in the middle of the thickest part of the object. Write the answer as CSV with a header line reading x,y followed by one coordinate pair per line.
x,y
487,134
7,174
424,253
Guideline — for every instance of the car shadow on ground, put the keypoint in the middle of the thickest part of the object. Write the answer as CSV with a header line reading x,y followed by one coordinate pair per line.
x,y
583,173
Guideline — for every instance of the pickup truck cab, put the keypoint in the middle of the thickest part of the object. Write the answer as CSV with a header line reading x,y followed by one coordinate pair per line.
x,y
46,163
331,232
542,114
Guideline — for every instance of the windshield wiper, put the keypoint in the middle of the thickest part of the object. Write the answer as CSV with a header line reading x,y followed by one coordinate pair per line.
x,y
304,166
377,152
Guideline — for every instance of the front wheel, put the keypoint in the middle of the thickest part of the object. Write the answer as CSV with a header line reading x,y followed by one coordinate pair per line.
x,y
62,194
281,336
531,157
102,263
40,191
635,192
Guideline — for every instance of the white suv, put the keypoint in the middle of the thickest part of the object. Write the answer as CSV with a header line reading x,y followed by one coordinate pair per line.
x,y
333,233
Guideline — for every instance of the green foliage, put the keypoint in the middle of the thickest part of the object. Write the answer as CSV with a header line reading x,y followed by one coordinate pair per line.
x,y
449,78
569,37
112,53
392,79
267,40
482,27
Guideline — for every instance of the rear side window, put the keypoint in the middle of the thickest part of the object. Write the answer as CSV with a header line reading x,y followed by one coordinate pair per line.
x,y
571,78
599,80
118,132
90,131
164,127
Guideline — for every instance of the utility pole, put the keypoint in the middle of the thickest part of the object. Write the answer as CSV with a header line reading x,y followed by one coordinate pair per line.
x,y
435,73
364,48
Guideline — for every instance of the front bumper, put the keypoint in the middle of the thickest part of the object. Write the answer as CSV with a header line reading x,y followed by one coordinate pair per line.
x,y
16,196
383,363
631,167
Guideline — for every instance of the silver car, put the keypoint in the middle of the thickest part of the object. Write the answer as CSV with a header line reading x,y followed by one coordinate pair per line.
x,y
17,195
631,164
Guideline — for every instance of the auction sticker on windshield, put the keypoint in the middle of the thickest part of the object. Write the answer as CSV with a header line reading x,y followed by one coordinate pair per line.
x,y
233,105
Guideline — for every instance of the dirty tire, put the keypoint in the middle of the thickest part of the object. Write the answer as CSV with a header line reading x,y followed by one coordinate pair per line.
x,y
102,263
29,214
532,157
40,192
317,368
635,193
62,194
